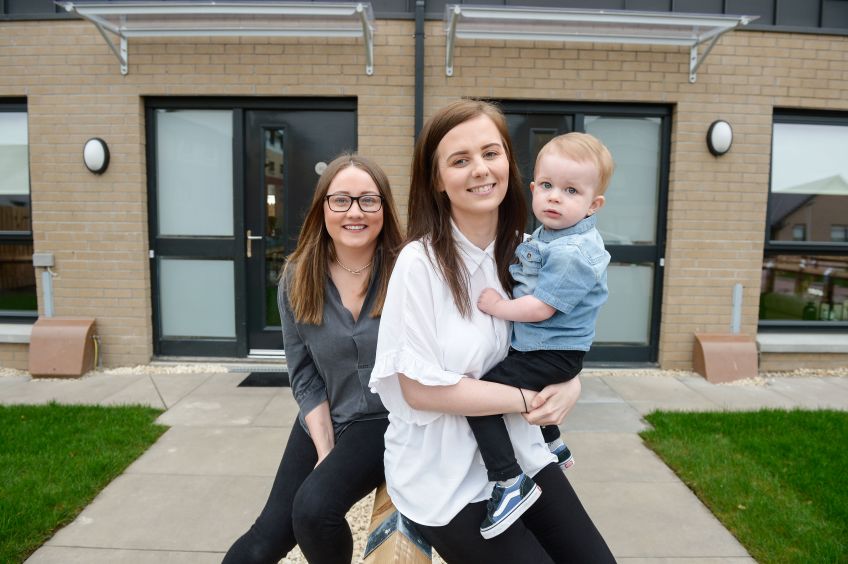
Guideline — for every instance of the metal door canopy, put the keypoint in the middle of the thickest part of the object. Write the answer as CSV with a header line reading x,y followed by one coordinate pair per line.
x,y
194,18
592,26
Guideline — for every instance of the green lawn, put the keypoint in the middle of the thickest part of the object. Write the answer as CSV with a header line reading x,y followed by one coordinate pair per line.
x,y
775,479
55,458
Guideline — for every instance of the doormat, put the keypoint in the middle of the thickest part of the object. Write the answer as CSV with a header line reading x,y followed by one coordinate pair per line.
x,y
266,380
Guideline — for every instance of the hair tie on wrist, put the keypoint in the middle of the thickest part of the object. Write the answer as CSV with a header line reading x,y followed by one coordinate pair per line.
x,y
520,391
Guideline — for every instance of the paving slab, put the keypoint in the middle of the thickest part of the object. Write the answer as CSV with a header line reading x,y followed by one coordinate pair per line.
x,y
740,396
167,512
811,393
71,555
13,379
174,387
650,393
141,392
12,389
614,457
223,384
215,451
281,411
215,411
87,390
594,389
604,418
656,520
841,381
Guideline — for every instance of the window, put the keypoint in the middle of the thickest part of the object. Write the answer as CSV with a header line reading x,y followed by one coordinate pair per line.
x,y
17,275
805,269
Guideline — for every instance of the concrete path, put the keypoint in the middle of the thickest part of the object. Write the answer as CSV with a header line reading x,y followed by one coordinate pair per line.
x,y
203,483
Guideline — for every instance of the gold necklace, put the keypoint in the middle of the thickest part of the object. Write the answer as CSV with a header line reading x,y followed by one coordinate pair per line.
x,y
353,270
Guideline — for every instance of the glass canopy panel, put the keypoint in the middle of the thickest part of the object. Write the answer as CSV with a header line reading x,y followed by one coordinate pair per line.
x,y
594,26
612,26
197,20
137,18
203,17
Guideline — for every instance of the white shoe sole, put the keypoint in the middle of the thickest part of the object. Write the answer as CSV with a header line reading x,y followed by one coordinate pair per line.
x,y
513,516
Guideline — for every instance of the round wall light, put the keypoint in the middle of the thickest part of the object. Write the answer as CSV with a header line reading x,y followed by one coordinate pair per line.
x,y
719,137
95,155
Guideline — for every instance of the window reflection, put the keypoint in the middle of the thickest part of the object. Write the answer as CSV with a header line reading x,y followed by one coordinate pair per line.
x,y
809,183
804,288
17,280
275,250
17,275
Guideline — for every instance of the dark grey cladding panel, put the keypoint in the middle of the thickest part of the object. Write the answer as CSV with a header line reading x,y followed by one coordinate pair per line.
x,y
698,6
648,5
762,8
835,14
793,13
26,7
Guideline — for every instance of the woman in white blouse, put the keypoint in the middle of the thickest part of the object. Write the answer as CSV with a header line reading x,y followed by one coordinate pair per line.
x,y
466,217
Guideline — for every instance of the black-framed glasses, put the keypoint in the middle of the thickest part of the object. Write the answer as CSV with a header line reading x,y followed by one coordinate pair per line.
x,y
368,203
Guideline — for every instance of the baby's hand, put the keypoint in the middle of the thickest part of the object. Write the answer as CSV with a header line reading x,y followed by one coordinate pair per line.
x,y
487,300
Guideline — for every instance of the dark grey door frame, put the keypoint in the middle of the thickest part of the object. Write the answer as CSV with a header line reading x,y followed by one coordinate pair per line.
x,y
231,248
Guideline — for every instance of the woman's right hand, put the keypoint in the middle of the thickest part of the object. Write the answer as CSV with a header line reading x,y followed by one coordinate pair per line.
x,y
552,404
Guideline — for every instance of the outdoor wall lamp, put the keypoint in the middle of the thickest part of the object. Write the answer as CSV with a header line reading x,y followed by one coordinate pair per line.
x,y
719,137
95,155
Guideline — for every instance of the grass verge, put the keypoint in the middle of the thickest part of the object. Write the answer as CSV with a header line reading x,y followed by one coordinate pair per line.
x,y
55,458
774,478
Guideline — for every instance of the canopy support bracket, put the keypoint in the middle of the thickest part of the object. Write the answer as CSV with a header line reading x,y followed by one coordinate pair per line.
x,y
451,39
368,36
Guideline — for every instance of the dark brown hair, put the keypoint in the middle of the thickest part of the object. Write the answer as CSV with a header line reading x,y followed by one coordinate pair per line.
x,y
430,210
315,247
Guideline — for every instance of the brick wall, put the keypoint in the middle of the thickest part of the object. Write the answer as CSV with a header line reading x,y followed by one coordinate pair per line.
x,y
14,355
97,226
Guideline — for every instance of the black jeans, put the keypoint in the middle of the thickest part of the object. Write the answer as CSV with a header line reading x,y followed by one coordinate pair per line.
x,y
307,506
532,370
554,529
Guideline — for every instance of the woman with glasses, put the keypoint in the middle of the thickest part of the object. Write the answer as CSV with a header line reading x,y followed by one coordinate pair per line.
x,y
330,298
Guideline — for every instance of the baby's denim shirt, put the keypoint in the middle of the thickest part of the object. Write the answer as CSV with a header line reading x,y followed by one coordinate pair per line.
x,y
566,269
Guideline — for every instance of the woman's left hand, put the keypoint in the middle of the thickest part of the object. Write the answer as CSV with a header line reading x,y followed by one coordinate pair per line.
x,y
552,404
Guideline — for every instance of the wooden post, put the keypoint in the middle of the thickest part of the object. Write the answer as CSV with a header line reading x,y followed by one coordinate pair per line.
x,y
392,539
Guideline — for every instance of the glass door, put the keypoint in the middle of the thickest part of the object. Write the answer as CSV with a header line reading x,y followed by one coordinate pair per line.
x,y
285,153
632,222
194,200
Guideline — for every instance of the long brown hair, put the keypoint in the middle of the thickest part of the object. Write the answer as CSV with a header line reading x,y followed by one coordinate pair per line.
x,y
315,247
430,210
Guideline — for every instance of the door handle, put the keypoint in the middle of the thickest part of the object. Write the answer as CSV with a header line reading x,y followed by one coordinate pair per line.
x,y
250,238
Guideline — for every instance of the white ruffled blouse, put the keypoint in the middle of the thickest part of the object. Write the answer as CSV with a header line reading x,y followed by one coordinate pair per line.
x,y
433,467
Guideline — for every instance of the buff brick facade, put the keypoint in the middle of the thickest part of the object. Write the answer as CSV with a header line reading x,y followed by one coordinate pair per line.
x,y
715,224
